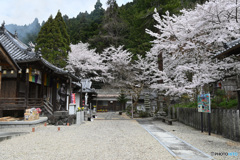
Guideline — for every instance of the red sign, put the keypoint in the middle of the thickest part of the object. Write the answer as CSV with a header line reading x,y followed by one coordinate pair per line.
x,y
73,98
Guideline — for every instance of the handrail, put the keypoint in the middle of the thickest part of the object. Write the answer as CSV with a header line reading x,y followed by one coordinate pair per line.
x,y
14,103
48,106
8,103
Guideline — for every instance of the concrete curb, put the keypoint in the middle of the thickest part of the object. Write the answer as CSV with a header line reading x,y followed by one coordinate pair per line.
x,y
12,124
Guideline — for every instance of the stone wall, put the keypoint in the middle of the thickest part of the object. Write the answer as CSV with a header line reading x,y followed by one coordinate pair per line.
x,y
224,122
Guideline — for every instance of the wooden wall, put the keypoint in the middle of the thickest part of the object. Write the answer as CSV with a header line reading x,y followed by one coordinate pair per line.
x,y
9,88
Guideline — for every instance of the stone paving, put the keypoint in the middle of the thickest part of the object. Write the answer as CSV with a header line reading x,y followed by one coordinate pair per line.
x,y
177,147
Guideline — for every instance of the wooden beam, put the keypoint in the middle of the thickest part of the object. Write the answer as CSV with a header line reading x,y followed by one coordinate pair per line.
x,y
8,58
0,83
234,50
5,64
27,88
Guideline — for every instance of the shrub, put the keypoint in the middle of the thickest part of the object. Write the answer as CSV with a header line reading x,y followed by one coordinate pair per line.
x,y
143,114
228,104
187,105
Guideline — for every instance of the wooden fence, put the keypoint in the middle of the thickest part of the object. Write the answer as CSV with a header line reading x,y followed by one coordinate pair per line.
x,y
224,122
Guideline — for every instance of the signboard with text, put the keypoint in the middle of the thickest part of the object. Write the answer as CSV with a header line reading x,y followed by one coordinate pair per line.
x,y
204,103
73,100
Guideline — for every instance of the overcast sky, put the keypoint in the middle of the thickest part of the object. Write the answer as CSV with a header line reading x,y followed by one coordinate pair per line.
x,y
22,12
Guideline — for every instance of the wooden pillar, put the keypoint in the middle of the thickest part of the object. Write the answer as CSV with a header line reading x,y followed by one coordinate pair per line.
x,y
70,90
238,96
18,84
80,103
0,82
54,94
27,87
238,91
42,84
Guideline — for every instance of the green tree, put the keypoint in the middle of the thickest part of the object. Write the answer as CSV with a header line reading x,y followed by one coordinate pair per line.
x,y
85,25
122,99
63,29
138,16
112,31
53,41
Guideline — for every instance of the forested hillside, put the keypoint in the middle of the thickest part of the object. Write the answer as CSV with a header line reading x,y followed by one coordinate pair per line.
x,y
121,25
117,25
26,33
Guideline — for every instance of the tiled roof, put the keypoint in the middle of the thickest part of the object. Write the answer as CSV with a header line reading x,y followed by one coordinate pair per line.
x,y
10,59
83,85
15,48
230,48
21,53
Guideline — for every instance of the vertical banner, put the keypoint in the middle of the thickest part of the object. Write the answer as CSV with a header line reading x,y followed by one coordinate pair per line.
x,y
47,80
35,76
73,100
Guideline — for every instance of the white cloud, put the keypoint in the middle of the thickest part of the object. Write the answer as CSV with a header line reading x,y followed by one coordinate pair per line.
x,y
25,11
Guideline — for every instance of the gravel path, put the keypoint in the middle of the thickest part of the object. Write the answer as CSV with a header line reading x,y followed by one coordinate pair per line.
x,y
101,139
109,137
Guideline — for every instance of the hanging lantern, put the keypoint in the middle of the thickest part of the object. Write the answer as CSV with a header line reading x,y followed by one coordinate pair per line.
x,y
27,70
20,71
4,71
12,71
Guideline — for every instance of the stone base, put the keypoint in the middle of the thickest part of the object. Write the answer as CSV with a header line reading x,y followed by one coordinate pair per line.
x,y
61,118
60,113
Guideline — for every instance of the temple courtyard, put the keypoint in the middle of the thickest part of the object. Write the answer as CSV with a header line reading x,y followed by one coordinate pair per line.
x,y
111,136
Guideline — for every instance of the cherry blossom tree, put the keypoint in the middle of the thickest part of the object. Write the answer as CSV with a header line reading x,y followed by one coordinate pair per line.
x,y
118,63
188,43
131,76
121,72
85,63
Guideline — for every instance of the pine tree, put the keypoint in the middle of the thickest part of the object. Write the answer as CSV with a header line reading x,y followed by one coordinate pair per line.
x,y
112,31
122,99
53,41
63,29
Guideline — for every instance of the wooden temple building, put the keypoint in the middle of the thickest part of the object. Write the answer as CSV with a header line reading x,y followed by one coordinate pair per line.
x,y
232,49
27,80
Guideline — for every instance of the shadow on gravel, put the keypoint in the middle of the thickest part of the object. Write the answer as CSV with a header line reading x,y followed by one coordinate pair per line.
x,y
8,135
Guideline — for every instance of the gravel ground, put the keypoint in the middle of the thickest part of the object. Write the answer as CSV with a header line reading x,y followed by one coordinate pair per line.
x,y
107,138
204,142
100,139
